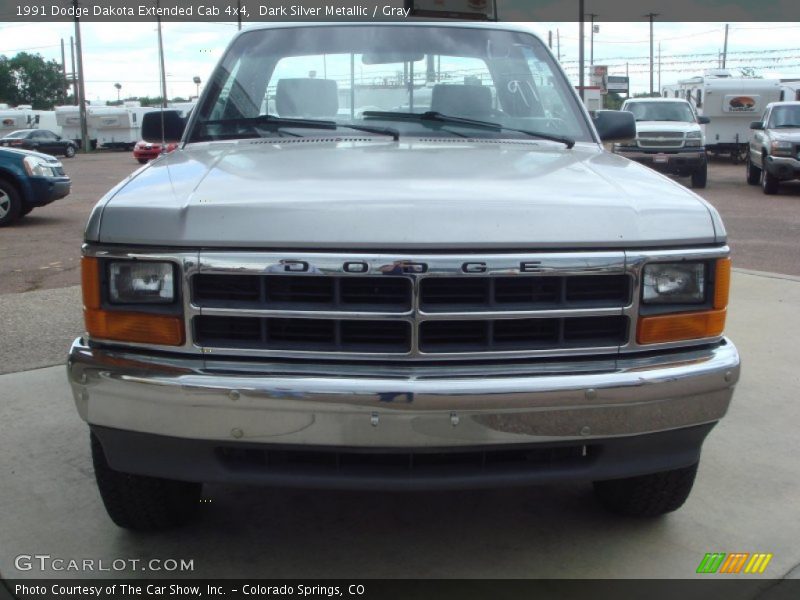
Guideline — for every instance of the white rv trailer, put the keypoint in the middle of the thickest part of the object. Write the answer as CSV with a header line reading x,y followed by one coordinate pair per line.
x,y
790,89
117,126
47,120
69,119
731,103
21,117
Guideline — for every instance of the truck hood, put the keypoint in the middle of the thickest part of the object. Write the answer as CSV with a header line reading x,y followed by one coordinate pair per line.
x,y
415,194
681,126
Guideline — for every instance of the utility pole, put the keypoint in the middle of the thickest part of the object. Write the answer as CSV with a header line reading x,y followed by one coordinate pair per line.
x,y
659,68
580,49
550,39
591,38
239,13
81,89
74,72
64,70
651,16
628,76
725,47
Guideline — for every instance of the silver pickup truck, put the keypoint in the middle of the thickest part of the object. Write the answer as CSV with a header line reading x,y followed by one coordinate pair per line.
x,y
397,256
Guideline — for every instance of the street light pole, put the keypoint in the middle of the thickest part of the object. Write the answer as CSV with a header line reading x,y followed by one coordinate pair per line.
x,y
651,16
591,38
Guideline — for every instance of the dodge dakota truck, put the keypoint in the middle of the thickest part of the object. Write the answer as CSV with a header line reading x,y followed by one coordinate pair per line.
x,y
310,293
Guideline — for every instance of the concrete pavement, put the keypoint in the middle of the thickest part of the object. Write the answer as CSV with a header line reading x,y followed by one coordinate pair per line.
x,y
745,498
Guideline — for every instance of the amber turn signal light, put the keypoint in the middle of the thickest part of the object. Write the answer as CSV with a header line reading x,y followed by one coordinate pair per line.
x,y
683,326
142,328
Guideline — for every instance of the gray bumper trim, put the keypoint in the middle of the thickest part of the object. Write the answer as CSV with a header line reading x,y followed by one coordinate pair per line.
x,y
379,406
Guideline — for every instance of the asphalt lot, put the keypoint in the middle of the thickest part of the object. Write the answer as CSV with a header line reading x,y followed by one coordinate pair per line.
x,y
745,498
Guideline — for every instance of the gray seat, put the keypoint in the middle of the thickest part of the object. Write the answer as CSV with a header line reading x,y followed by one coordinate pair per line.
x,y
472,101
308,98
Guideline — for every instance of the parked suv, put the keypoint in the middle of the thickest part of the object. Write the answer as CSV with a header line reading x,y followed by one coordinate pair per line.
x,y
774,151
668,138
475,294
27,180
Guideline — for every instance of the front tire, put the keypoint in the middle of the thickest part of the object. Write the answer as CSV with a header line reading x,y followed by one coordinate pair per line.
x,y
143,503
700,177
142,161
753,172
769,183
10,204
647,495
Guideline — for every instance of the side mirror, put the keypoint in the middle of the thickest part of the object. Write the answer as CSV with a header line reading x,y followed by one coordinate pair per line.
x,y
614,125
172,122
757,125
701,120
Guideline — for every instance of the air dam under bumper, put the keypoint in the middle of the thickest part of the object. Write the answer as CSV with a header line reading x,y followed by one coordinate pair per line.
x,y
175,417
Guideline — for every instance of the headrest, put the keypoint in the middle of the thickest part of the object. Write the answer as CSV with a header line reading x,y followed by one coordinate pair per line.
x,y
307,98
461,100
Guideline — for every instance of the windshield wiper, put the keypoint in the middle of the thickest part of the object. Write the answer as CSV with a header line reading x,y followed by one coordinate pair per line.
x,y
437,117
275,123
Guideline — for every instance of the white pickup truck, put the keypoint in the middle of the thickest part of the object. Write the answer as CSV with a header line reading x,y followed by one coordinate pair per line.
x,y
668,138
475,294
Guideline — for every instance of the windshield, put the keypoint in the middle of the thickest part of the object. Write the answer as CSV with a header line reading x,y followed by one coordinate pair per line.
x,y
339,73
784,117
661,111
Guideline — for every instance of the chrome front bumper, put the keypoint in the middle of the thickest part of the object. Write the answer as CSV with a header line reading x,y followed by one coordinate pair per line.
x,y
373,406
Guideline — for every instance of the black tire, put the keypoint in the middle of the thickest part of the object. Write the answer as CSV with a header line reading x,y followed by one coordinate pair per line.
x,y
142,161
647,495
143,503
25,210
769,183
753,172
10,203
69,151
700,177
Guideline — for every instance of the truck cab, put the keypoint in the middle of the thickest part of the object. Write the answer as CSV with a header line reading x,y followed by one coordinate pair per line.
x,y
669,138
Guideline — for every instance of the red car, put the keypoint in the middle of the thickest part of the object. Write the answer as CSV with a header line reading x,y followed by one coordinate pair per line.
x,y
145,151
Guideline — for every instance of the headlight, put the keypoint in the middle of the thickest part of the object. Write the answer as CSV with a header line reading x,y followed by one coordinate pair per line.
x,y
781,148
40,167
694,138
674,283
141,282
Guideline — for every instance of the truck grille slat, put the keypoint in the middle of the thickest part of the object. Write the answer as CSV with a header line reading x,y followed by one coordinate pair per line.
x,y
449,315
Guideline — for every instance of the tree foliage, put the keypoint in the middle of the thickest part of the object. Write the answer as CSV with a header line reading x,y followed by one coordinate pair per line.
x,y
30,79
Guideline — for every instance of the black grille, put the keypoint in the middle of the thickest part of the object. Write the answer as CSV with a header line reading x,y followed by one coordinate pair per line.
x,y
303,292
458,294
303,334
394,294
521,334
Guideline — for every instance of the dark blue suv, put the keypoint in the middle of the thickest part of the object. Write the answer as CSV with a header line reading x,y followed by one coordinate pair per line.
x,y
27,180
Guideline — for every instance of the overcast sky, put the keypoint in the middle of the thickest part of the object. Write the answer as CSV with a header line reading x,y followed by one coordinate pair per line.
x,y
127,52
